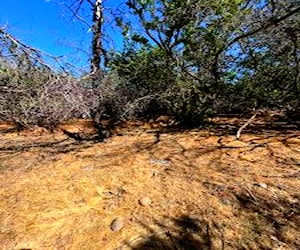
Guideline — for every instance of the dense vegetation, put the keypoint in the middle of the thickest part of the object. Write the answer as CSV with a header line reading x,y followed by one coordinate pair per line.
x,y
189,59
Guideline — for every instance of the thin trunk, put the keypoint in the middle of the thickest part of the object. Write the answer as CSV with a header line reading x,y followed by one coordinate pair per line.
x,y
97,37
296,77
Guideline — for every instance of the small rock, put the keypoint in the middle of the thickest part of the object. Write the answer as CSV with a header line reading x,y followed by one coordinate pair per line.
x,y
145,201
116,225
225,201
262,185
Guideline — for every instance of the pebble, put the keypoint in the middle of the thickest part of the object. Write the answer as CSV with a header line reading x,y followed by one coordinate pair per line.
x,y
225,201
262,185
116,225
145,201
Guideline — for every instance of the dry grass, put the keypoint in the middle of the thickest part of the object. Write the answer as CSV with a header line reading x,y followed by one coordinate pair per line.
x,y
207,191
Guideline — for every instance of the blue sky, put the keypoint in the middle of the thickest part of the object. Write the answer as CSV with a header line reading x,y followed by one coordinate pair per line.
x,y
47,25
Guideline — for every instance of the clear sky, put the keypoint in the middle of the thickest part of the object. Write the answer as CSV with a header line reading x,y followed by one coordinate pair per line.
x,y
47,25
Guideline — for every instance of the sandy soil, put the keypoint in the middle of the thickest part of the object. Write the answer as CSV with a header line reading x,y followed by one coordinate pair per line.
x,y
182,190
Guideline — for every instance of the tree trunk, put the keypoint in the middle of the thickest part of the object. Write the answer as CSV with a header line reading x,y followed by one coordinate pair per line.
x,y
97,37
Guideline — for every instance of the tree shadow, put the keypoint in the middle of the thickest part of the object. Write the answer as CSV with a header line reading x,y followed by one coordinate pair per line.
x,y
39,152
185,232
272,216
61,146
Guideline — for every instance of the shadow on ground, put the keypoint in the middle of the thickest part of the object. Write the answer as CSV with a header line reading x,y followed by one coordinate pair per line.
x,y
186,232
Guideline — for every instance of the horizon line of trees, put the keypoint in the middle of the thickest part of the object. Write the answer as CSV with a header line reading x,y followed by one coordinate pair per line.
x,y
188,59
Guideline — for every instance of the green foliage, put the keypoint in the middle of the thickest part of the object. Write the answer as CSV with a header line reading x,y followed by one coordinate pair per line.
x,y
144,71
205,57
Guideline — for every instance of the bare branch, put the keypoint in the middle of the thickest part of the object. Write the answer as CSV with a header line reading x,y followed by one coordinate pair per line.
x,y
35,54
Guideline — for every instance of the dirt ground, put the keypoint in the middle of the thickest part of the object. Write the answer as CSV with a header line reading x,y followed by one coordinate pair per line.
x,y
196,189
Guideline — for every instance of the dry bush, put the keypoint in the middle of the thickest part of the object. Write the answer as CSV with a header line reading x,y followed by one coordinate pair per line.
x,y
36,88
47,103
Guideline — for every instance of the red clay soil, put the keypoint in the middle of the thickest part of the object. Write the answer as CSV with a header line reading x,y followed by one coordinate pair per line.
x,y
179,190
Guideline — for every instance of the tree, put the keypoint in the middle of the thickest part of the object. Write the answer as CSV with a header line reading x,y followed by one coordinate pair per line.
x,y
214,47
97,48
97,20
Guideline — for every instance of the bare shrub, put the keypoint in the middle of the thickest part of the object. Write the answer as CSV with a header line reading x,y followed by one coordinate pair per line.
x,y
35,88
46,104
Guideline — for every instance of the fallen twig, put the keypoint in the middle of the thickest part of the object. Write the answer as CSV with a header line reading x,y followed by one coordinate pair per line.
x,y
238,134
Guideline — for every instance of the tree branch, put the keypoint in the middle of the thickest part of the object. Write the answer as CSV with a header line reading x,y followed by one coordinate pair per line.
x,y
270,22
